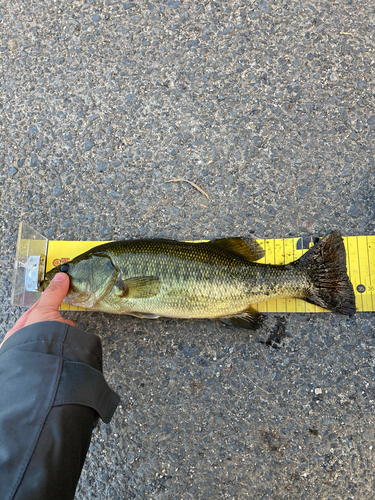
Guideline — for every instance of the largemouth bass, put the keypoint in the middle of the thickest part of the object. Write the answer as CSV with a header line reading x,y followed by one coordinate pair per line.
x,y
217,279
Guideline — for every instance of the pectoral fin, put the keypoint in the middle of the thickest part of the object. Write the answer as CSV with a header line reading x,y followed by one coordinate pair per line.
x,y
140,287
250,319
249,249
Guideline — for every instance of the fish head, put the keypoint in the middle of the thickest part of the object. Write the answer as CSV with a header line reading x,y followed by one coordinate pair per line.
x,y
92,277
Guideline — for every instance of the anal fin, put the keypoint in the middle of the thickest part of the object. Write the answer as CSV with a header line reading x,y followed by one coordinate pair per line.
x,y
250,319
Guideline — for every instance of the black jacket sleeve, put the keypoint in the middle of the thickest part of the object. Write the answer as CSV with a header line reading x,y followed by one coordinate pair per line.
x,y
51,392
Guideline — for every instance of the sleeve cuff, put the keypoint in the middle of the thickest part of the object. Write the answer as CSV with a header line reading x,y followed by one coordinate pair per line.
x,y
92,390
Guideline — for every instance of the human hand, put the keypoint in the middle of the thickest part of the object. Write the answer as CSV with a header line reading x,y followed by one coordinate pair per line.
x,y
47,307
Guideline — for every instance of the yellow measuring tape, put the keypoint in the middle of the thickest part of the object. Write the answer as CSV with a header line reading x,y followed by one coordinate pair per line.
x,y
360,260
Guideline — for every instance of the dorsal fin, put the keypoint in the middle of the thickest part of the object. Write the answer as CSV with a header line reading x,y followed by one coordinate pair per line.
x,y
250,249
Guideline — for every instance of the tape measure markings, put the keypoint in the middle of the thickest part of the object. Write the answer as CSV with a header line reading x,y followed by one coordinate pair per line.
x,y
354,271
362,273
370,287
370,274
266,259
372,270
297,253
359,271
366,274
288,257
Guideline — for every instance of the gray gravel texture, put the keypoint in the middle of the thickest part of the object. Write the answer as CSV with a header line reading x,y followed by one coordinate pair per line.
x,y
269,107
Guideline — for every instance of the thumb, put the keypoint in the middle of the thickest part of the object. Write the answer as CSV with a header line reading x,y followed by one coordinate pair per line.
x,y
55,293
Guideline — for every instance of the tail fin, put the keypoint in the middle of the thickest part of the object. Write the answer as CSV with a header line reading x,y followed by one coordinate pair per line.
x,y
325,264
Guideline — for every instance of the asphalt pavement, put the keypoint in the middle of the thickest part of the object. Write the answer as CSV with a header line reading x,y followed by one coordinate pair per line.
x,y
268,107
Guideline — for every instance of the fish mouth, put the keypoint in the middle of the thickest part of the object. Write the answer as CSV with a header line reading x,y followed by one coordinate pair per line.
x,y
43,284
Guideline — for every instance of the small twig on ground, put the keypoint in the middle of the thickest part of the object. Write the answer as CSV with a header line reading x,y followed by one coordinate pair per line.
x,y
349,34
192,184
